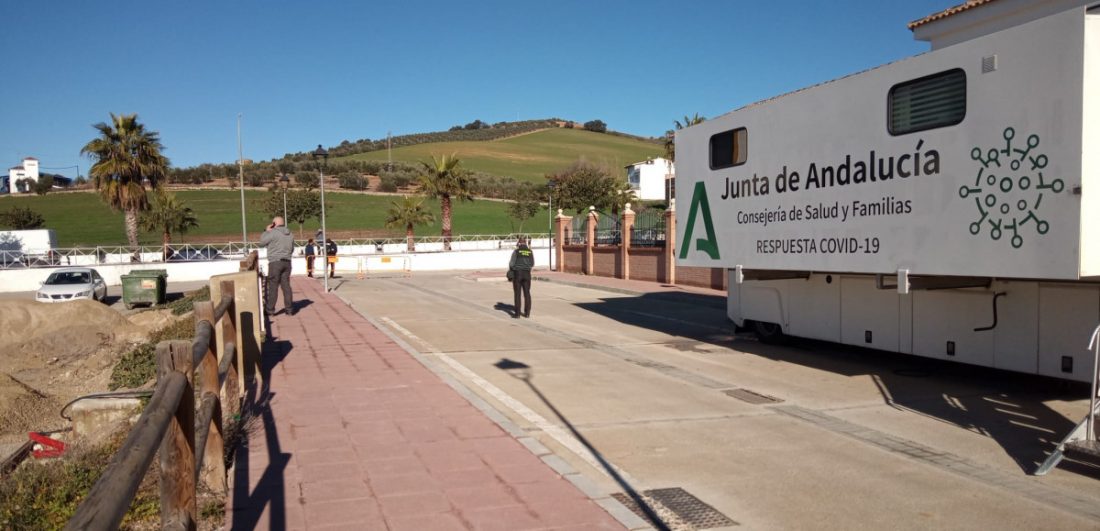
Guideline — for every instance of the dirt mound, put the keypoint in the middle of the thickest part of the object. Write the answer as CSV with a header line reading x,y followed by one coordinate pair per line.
x,y
42,342
52,353
153,320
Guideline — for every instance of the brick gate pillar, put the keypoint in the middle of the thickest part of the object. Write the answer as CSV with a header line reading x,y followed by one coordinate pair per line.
x,y
561,222
590,241
624,247
670,243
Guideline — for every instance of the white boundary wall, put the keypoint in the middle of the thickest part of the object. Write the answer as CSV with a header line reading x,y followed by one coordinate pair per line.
x,y
349,261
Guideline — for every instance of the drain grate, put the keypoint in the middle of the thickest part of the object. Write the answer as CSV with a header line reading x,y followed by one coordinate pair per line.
x,y
752,397
679,509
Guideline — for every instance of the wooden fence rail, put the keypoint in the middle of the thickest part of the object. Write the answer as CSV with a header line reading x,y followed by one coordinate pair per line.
x,y
168,423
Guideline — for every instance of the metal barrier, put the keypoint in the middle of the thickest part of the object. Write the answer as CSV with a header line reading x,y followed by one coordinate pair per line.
x,y
384,263
120,254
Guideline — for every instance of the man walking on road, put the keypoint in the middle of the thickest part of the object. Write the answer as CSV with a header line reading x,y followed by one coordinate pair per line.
x,y
519,272
279,243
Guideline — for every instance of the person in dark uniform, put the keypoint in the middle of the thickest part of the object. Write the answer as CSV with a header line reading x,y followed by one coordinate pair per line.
x,y
311,256
519,271
330,252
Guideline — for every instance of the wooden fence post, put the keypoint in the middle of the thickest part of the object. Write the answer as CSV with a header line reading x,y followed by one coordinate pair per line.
x,y
231,398
213,461
624,251
178,506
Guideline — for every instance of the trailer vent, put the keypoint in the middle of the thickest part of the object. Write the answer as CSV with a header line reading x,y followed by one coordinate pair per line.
x,y
938,100
1067,364
989,63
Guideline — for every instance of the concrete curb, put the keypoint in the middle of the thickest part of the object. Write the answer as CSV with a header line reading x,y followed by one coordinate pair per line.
x,y
681,297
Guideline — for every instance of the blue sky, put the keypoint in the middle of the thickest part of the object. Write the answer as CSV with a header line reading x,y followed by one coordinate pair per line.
x,y
304,73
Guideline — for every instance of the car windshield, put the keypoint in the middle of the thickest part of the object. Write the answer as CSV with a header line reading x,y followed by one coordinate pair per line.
x,y
68,277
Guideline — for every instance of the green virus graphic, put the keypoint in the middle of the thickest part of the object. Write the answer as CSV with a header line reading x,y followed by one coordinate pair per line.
x,y
1009,189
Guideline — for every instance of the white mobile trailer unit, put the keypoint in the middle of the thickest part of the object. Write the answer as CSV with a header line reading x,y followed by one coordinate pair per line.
x,y
946,205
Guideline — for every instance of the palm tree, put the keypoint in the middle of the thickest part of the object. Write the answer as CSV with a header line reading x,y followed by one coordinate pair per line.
x,y
444,179
408,213
125,156
670,135
167,214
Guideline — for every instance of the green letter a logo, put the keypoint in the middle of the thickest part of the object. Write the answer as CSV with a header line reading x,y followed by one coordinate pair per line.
x,y
710,244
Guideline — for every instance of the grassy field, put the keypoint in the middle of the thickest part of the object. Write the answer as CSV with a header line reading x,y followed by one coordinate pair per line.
x,y
529,157
81,219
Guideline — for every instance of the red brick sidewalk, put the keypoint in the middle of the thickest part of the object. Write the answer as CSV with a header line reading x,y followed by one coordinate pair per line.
x,y
358,434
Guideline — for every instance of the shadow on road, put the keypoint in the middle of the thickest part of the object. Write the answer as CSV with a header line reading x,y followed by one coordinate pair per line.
x,y
1005,406
525,373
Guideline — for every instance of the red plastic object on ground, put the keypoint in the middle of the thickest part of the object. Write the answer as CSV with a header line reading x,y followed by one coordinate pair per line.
x,y
50,447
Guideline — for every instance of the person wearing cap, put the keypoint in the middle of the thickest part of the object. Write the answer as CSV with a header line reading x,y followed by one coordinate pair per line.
x,y
279,243
519,272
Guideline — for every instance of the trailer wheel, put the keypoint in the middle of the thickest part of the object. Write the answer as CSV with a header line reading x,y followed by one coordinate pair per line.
x,y
768,332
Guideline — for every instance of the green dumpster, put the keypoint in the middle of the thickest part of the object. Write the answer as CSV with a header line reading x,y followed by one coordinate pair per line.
x,y
142,286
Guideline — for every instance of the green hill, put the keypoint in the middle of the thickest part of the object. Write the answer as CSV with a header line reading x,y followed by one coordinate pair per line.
x,y
530,156
81,219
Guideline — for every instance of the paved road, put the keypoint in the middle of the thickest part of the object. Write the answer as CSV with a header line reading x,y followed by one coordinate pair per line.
x,y
651,391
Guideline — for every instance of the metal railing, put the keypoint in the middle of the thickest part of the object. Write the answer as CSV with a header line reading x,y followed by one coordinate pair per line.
x,y
577,231
190,452
648,229
608,230
1085,431
121,254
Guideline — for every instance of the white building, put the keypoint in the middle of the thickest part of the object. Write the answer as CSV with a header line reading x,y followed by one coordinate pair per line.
x,y
21,178
652,179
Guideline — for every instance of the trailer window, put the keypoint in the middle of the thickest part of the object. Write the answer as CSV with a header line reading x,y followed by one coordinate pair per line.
x,y
729,148
938,100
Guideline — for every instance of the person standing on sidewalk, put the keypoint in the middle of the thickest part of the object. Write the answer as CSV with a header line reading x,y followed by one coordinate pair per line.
x,y
519,272
311,256
279,243
330,252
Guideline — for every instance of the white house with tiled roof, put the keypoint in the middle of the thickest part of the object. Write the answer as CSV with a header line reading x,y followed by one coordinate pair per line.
x,y
21,178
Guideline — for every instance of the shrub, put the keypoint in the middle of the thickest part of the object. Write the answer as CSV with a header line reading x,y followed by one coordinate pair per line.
x,y
596,126
21,218
139,365
187,303
307,179
353,181
45,495
43,185
388,184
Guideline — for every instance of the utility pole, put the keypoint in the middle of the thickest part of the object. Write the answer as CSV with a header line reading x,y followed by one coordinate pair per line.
x,y
389,152
240,167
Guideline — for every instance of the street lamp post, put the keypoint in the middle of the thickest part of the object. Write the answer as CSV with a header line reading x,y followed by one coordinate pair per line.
x,y
550,214
321,156
284,181
240,169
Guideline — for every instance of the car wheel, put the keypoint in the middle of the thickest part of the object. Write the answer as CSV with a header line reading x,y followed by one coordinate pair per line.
x,y
768,332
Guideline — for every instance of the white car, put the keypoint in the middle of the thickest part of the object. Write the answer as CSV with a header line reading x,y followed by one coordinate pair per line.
x,y
72,283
